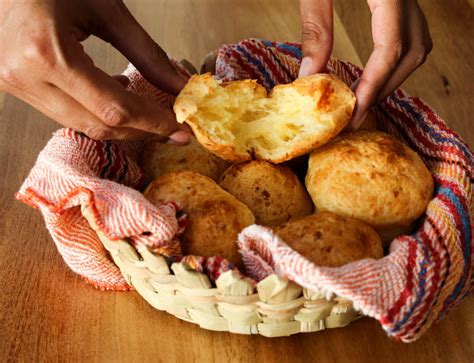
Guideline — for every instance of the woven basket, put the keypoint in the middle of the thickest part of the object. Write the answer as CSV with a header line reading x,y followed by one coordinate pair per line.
x,y
274,307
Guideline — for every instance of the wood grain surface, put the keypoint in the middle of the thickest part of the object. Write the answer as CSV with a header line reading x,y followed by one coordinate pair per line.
x,y
47,313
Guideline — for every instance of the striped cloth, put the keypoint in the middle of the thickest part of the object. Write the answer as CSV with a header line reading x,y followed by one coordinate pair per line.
x,y
423,277
425,274
73,170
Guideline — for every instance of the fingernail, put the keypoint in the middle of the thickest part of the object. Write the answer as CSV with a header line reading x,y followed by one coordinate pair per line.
x,y
181,137
305,67
175,143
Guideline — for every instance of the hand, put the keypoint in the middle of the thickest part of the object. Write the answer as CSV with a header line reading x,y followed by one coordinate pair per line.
x,y
43,63
401,43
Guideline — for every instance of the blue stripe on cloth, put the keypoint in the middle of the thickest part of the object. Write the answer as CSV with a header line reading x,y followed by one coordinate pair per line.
x,y
259,65
292,49
421,292
460,208
466,255
408,108
467,244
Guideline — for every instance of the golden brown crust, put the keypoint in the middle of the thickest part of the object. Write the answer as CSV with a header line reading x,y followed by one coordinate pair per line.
x,y
215,217
159,158
272,192
238,122
371,176
327,239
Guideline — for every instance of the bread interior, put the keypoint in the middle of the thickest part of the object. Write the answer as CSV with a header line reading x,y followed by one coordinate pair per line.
x,y
261,126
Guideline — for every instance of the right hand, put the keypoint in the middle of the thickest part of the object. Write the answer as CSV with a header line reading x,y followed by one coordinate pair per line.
x,y
401,43
43,63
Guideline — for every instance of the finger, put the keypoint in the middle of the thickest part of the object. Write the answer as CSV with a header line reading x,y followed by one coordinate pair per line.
x,y
420,46
128,36
317,21
58,106
108,100
388,49
180,137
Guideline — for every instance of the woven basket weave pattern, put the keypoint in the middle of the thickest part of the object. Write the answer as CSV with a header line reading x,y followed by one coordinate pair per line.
x,y
275,307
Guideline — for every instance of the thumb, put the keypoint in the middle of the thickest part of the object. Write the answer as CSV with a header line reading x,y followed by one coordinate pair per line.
x,y
317,21
129,37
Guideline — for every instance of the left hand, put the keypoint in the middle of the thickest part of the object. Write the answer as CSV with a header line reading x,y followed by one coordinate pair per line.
x,y
401,43
43,62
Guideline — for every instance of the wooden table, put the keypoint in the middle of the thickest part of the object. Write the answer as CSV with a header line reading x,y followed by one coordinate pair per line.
x,y
48,313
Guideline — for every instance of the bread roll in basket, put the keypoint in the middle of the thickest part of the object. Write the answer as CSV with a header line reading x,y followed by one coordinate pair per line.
x,y
275,306
89,194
